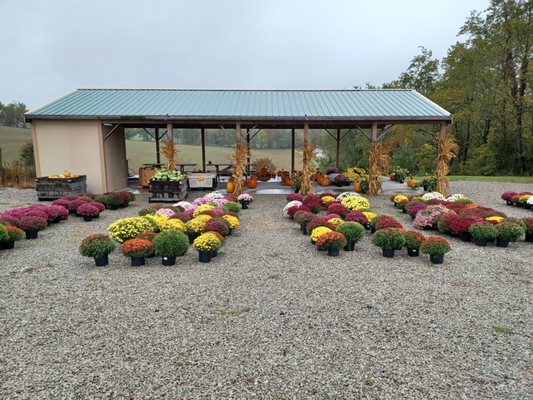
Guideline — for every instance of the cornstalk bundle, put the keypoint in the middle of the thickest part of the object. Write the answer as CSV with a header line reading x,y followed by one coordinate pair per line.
x,y
169,151
306,186
379,165
239,165
448,149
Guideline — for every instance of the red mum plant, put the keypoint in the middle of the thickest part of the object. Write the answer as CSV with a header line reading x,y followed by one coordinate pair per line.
x,y
507,196
444,222
329,216
217,225
331,240
32,223
146,236
356,216
414,208
316,222
303,218
294,196
337,208
87,210
387,222
461,224
313,203
435,245
413,239
61,202
74,204
528,224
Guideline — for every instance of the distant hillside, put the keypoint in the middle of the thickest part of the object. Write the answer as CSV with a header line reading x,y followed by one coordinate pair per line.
x,y
11,139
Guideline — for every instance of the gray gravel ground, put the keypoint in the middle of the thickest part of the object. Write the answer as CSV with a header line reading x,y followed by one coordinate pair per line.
x,y
310,326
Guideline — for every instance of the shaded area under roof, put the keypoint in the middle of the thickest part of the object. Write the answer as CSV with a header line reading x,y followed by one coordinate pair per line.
x,y
281,108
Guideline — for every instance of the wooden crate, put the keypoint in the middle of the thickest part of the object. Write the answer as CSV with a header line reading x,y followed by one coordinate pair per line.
x,y
202,180
55,188
145,174
167,191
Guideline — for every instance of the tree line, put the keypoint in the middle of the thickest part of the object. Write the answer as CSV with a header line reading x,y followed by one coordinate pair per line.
x,y
12,114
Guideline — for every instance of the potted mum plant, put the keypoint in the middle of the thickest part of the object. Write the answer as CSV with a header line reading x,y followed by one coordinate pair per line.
x,y
14,234
245,199
32,224
353,232
482,233
98,247
413,241
528,222
436,247
332,242
88,211
3,235
508,232
137,250
170,244
389,239
206,244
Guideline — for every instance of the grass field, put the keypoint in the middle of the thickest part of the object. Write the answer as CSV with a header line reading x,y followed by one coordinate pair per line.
x,y
11,139
139,153
510,179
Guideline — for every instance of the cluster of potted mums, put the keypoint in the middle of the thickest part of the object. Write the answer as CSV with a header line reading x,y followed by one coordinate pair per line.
x,y
89,205
458,216
522,199
335,222
168,231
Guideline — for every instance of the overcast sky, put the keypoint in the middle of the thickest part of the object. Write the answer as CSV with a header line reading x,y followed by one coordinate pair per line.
x,y
52,47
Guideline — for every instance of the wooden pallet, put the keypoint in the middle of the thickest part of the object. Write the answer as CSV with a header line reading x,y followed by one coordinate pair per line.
x,y
167,191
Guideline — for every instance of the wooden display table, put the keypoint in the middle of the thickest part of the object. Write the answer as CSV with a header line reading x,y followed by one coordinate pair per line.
x,y
167,191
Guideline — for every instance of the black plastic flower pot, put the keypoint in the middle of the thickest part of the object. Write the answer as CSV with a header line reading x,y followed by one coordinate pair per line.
x,y
465,236
137,261
529,237
10,244
389,253
101,261
372,229
192,236
204,256
413,252
481,242
333,252
32,234
230,231
502,243
113,207
168,260
57,220
509,203
366,226
87,218
436,258
350,246
244,205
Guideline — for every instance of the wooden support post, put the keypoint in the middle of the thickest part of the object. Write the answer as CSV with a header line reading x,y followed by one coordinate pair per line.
x,y
203,149
157,153
238,132
248,168
170,135
373,184
292,150
442,180
338,148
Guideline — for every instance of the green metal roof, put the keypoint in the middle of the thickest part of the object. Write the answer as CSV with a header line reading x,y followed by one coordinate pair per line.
x,y
183,104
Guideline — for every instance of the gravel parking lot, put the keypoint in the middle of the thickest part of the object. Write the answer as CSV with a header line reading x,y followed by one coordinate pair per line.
x,y
270,317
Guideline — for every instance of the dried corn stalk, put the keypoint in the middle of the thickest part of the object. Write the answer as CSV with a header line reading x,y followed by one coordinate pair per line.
x,y
306,185
169,151
239,164
379,164
448,149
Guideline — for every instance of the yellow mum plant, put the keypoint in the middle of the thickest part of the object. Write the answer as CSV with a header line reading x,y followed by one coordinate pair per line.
x,y
319,231
128,228
207,242
203,208
204,218
327,199
400,198
173,223
495,218
194,226
355,203
335,221
369,215
233,222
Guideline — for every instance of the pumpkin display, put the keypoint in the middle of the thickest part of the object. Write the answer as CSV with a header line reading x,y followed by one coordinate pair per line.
x,y
322,180
252,182
411,183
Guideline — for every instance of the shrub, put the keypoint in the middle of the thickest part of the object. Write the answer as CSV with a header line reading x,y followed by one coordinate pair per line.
x,y
331,240
171,243
137,248
390,238
413,239
15,234
483,231
509,231
96,246
352,231
128,228
4,237
32,223
435,245
87,210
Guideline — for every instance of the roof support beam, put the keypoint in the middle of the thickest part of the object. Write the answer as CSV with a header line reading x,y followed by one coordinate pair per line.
x,y
111,132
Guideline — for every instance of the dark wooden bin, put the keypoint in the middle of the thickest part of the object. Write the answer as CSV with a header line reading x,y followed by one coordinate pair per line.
x,y
167,191
55,188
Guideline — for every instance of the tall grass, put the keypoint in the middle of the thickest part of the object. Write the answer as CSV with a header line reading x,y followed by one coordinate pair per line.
x,y
16,174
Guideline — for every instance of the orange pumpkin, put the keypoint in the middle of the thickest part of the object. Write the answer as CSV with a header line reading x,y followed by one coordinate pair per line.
x,y
252,182
323,181
230,186
357,187
411,183
392,176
